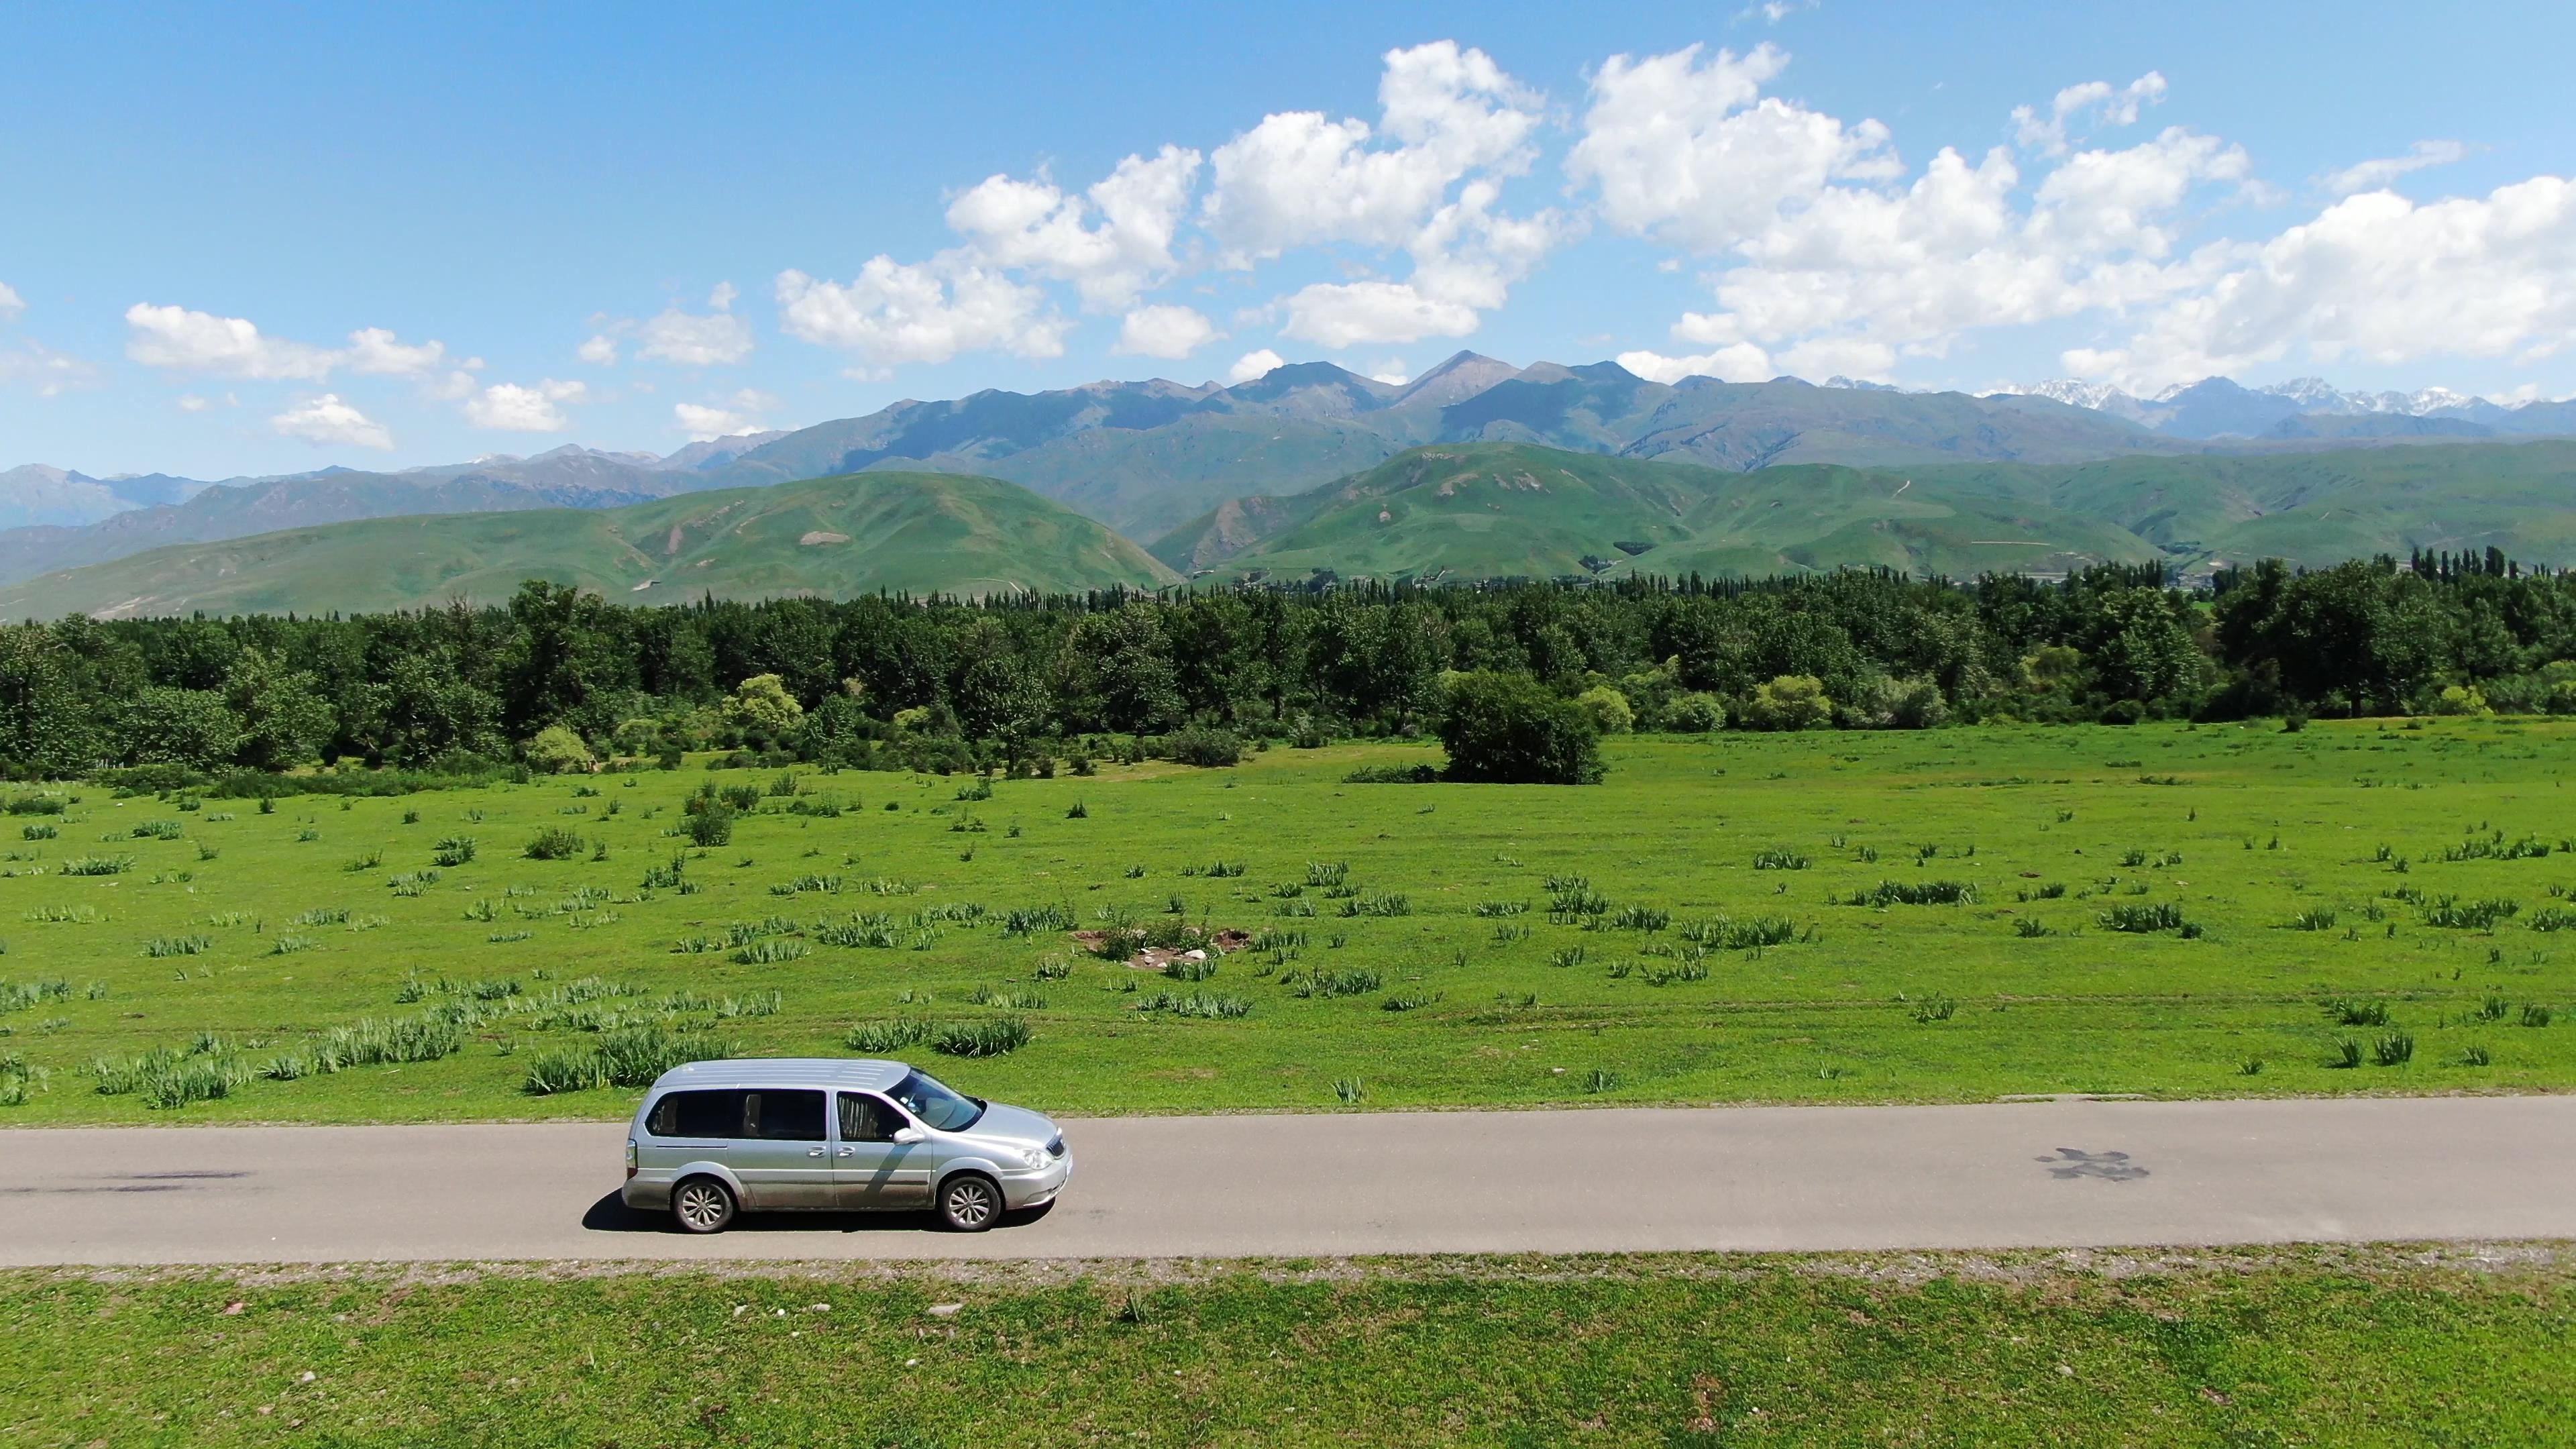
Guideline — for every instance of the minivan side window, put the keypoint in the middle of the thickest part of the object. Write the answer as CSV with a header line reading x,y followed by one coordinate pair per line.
x,y
697,1114
783,1116
866,1119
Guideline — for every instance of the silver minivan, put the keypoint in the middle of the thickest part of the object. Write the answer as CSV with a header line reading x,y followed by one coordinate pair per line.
x,y
713,1139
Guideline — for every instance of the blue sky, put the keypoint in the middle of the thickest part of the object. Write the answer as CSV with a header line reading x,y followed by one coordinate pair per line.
x,y
257,238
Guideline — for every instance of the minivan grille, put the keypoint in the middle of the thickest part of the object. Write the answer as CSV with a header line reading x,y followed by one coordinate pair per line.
x,y
1055,1148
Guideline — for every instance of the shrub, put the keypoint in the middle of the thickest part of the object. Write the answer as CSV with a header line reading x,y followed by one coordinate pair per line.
x,y
883,1038
1917,893
1695,712
2344,1012
1788,702
1207,1005
1393,775
709,827
1609,709
453,850
990,1036
553,843
98,865
37,805
37,832
1508,729
2394,1049
2462,915
557,748
1355,982
2142,919
1780,860
1208,748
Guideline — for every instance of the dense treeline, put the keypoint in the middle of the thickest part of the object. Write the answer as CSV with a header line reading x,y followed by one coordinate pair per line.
x,y
558,677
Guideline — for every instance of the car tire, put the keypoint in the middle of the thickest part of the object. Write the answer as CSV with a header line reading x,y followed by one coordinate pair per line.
x,y
970,1203
702,1205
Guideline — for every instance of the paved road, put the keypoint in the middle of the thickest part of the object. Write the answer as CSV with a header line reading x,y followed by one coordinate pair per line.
x,y
2050,1174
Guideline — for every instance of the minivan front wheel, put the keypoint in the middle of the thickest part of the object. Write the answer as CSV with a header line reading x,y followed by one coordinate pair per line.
x,y
702,1205
969,1203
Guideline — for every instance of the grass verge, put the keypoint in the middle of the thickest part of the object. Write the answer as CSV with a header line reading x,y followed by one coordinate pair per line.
x,y
2345,1346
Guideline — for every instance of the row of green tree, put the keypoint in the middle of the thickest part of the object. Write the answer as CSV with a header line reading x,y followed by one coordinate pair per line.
x,y
943,682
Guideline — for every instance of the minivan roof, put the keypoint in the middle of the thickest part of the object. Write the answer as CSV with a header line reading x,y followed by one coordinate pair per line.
x,y
860,1074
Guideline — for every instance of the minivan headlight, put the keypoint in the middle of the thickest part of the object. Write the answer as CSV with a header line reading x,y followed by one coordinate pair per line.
x,y
1031,1157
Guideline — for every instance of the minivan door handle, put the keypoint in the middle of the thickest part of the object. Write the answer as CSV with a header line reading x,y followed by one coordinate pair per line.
x,y
813,1151
849,1152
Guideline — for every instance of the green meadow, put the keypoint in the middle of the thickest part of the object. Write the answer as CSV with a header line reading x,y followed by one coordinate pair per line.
x,y
1947,915
2369,1346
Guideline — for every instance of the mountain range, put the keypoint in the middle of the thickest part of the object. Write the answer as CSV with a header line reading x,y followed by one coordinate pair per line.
x,y
1208,472
2308,408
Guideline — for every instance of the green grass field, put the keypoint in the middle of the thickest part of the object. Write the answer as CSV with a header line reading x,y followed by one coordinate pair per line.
x,y
2342,1347
273,929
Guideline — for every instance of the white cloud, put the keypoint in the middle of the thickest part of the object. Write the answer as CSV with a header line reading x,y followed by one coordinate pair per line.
x,y
737,415
1465,260
326,420
1694,155
1033,225
2378,277
189,402
44,371
1740,362
714,339
177,338
2374,174
721,296
2047,134
599,351
1165,331
1254,364
11,304
509,407
457,385
377,352
1827,265
897,312
188,341
1299,178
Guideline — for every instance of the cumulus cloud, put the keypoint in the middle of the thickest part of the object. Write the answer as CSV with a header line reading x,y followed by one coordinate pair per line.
x,y
1165,331
1829,261
2046,133
1033,225
731,418
182,340
186,341
512,408
896,312
377,352
44,371
1255,364
2374,174
1299,178
1690,152
1453,125
2378,277
1740,362
600,350
325,420
11,304
710,339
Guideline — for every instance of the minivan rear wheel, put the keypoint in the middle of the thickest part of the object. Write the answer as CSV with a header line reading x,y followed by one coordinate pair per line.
x,y
969,1203
702,1205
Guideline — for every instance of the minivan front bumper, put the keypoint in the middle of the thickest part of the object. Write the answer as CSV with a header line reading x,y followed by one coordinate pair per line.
x,y
1037,1186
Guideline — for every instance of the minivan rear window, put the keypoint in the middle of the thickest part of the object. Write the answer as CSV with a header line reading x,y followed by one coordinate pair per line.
x,y
778,1116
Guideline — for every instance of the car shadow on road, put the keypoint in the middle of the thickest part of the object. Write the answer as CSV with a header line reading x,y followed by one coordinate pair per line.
x,y
612,1215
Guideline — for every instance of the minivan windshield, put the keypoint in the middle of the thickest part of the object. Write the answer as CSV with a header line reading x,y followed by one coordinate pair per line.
x,y
934,1104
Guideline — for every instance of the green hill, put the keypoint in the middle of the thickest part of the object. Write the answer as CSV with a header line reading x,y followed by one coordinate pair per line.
x,y
1494,509
1510,509
914,532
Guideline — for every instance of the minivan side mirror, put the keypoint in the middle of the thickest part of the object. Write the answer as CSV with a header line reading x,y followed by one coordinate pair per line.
x,y
906,1136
